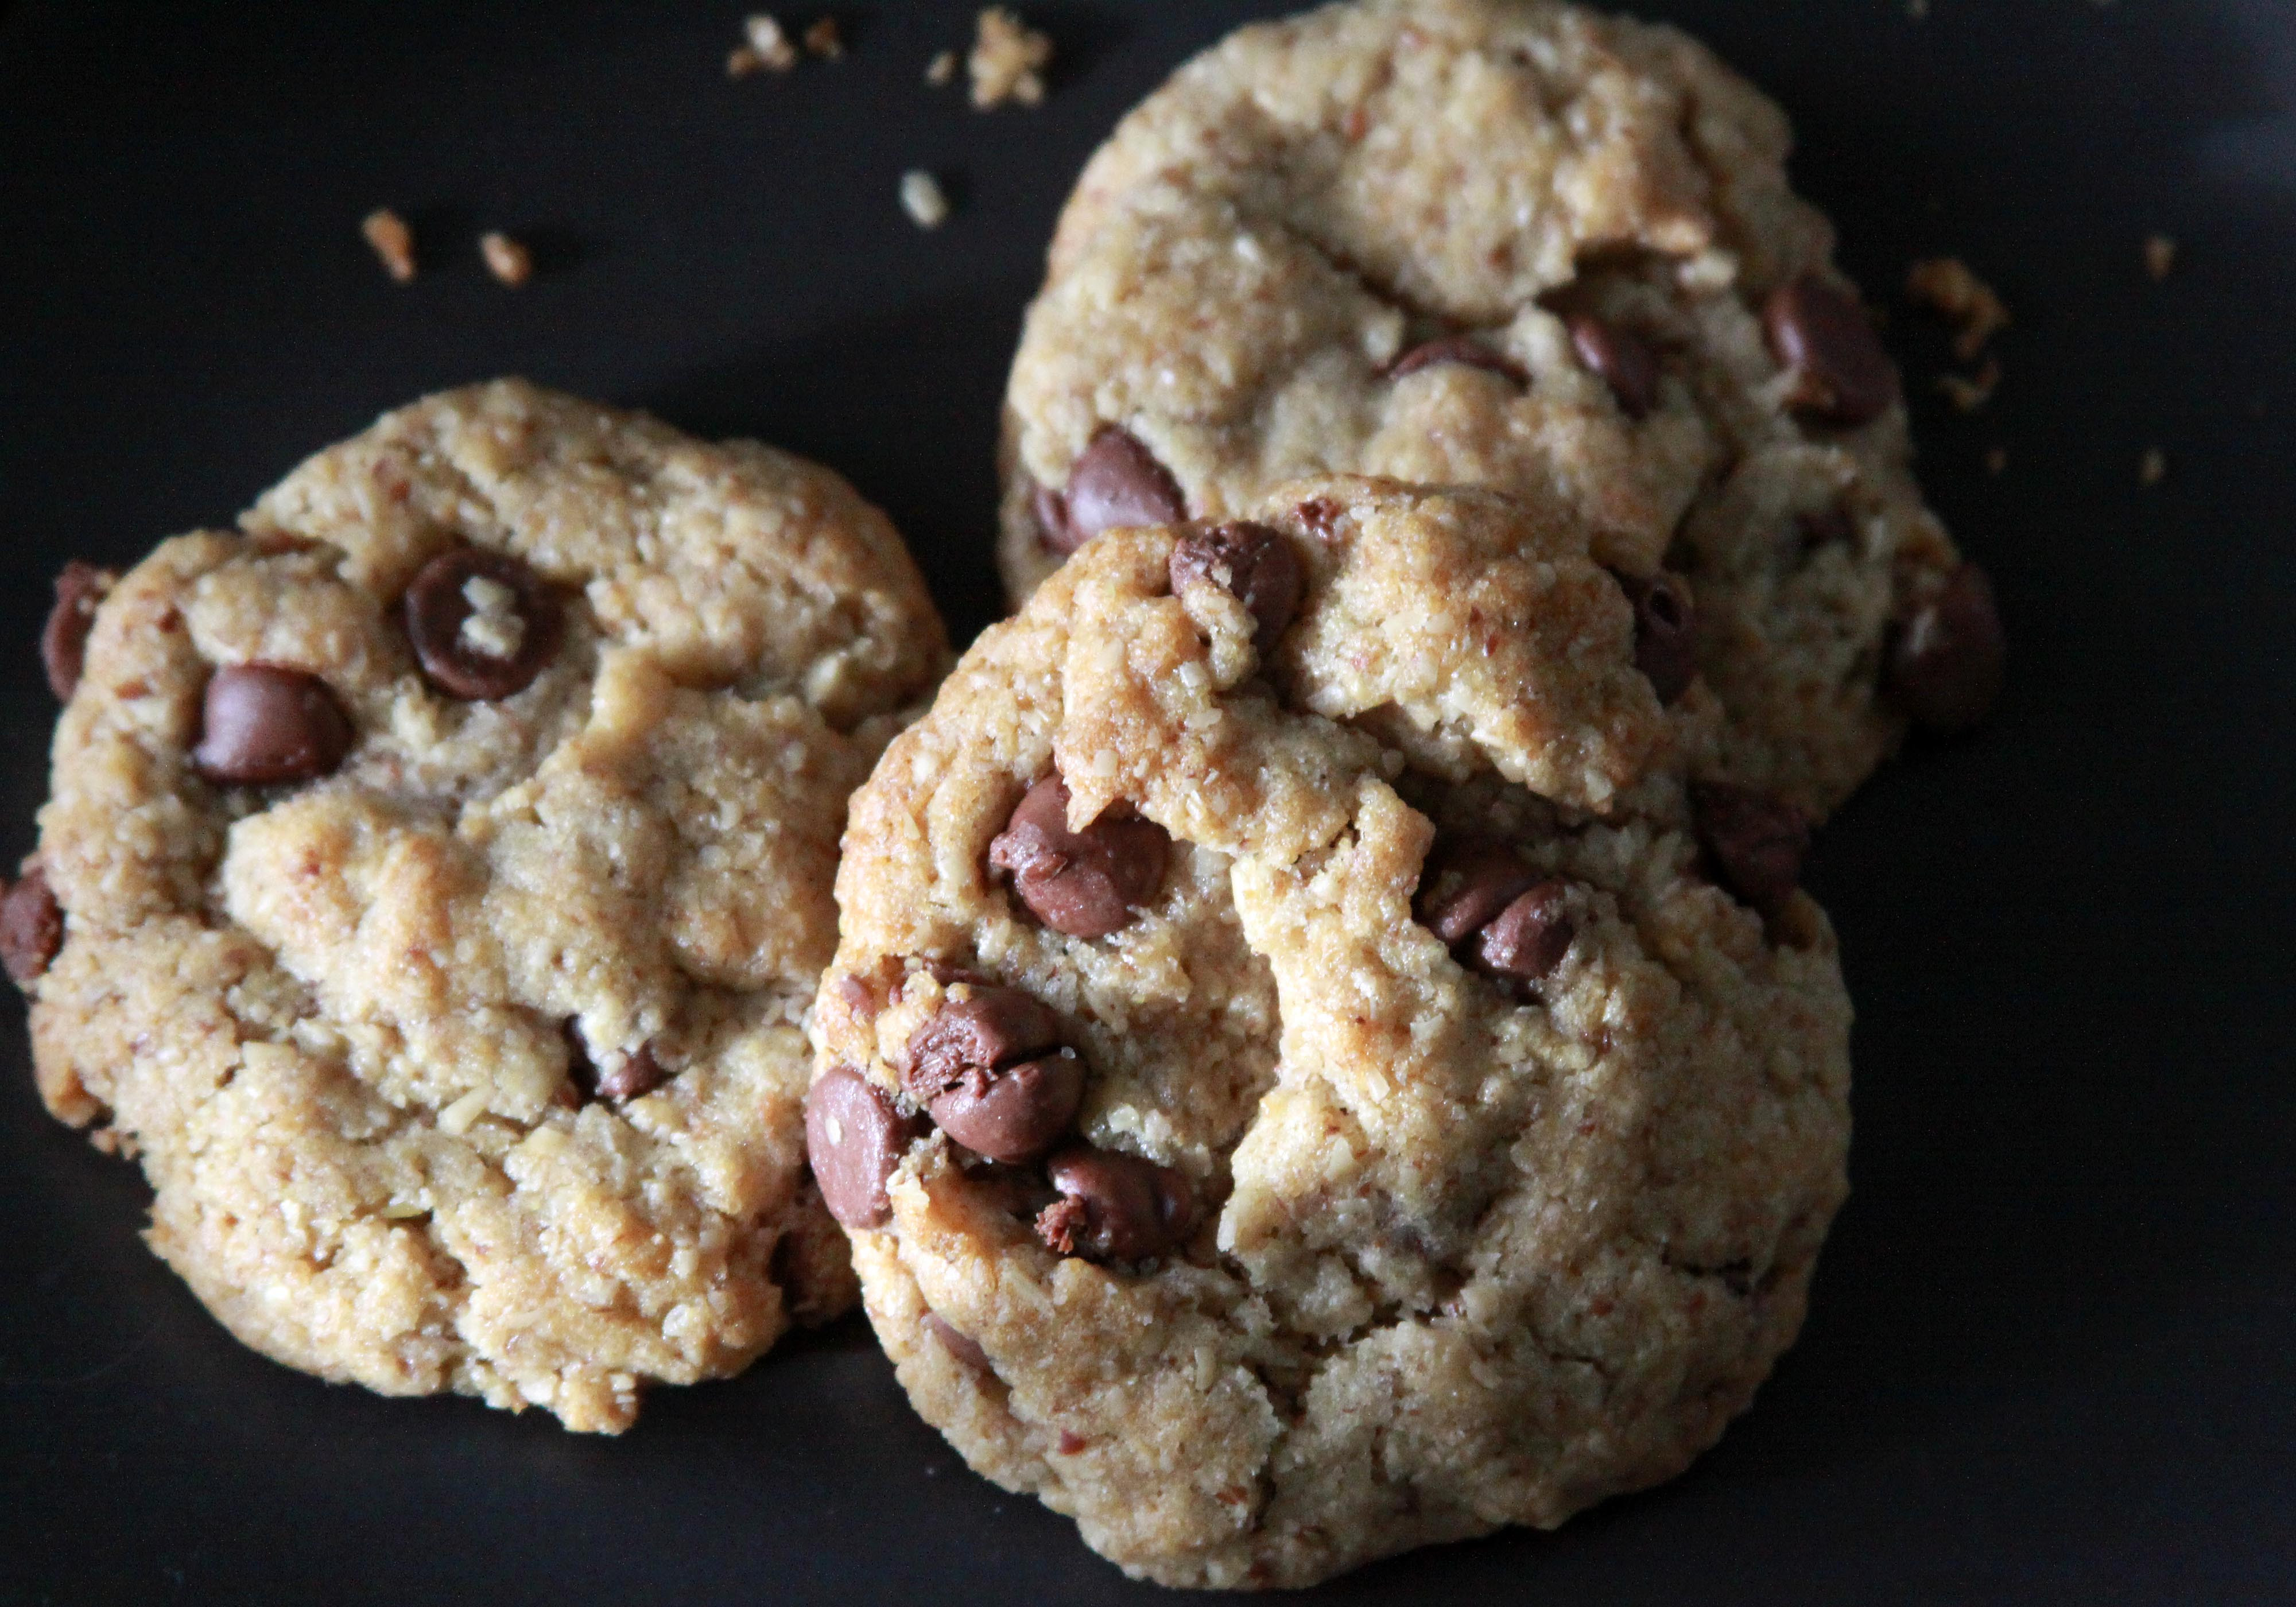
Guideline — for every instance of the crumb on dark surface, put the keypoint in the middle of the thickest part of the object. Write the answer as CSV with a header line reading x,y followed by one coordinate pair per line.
x,y
506,259
924,198
2159,256
1008,61
823,39
1944,285
393,241
942,70
1969,393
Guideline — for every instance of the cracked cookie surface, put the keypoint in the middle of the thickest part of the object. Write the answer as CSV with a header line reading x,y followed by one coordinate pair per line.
x,y
446,864
1446,1154
1505,243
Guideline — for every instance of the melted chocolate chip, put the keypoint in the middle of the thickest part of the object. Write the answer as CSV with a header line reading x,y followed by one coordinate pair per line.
x,y
1251,562
986,1030
961,1347
482,623
1011,1113
1621,358
32,926
63,640
854,1138
1665,632
1947,660
1464,888
262,725
1821,334
1529,937
1116,481
635,1075
1755,843
1088,884
1114,1207
1457,349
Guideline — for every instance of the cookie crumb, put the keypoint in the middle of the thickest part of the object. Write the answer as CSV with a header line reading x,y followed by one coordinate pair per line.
x,y
942,70
2159,256
1946,285
2152,468
506,260
393,241
823,39
923,200
1008,61
1996,459
1967,394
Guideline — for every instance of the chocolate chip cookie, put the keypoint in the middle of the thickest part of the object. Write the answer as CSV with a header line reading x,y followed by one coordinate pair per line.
x,y
435,883
1520,245
1281,1118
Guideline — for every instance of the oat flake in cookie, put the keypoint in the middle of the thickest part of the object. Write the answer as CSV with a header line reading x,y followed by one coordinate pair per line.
x,y
445,866
1514,244
1433,1141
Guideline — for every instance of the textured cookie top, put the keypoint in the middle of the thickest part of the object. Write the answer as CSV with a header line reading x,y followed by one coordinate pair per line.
x,y
447,867
1271,1131
1506,243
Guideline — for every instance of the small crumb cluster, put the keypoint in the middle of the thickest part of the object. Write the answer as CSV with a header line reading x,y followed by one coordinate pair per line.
x,y
766,47
1947,287
2159,256
393,239
1008,61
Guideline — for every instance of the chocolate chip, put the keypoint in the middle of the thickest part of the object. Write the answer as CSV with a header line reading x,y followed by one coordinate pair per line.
x,y
482,623
1114,1207
261,724
1841,372
1321,515
1011,1113
32,926
1457,349
1621,358
988,1029
853,1140
634,1076
1665,632
1948,660
1088,884
1755,843
1253,563
64,642
1528,939
1464,889
1827,526
961,1347
1116,481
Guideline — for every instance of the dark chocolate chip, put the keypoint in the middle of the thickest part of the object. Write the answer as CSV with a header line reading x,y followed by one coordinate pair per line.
x,y
1457,349
32,926
64,642
1011,1113
1821,334
475,652
1088,884
1115,481
853,1140
1114,1207
262,725
1465,887
1253,563
961,1347
1948,660
1755,843
1665,632
1321,516
1827,527
636,1075
1621,358
986,1030
1528,939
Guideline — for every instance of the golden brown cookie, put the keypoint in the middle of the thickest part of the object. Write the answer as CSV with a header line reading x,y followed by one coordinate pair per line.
x,y
442,868
1279,1120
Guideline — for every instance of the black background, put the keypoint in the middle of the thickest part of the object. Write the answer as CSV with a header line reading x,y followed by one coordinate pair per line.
x,y
2050,1358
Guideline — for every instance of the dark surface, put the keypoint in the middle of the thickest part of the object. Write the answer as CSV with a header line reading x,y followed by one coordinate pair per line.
x,y
2051,1352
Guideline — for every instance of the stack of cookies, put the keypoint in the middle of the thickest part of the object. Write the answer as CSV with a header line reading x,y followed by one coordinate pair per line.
x,y
1317,1046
